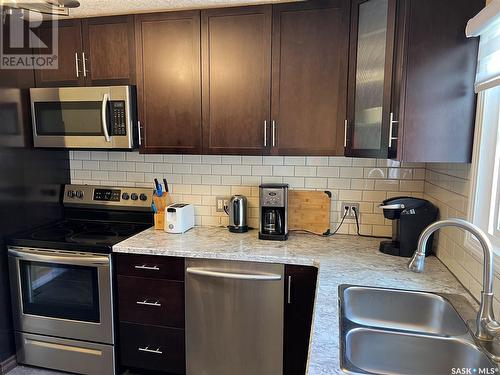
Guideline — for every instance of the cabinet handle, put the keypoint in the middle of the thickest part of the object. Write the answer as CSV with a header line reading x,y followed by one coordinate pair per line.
x,y
265,133
84,65
391,123
149,268
77,68
274,132
147,350
146,303
139,132
345,133
289,291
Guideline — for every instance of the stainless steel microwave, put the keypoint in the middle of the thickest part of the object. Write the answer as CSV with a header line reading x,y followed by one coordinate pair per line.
x,y
85,117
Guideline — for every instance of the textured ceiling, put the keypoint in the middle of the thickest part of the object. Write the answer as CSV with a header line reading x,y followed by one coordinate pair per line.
x,y
92,8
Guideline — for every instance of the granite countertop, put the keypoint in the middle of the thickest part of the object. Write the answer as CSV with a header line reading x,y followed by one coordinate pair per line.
x,y
341,259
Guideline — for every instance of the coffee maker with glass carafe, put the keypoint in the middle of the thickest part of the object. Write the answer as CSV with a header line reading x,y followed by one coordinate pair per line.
x,y
273,212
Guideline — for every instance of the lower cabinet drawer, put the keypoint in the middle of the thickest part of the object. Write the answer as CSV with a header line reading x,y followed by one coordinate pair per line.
x,y
151,301
152,348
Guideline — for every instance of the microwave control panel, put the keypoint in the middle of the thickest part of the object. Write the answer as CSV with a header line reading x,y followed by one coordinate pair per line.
x,y
118,120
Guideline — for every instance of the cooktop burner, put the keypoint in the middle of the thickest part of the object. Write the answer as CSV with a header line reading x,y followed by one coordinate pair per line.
x,y
79,235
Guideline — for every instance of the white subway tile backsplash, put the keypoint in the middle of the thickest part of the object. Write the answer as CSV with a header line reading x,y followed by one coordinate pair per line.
x,y
109,165
295,160
241,170
252,160
161,168
199,179
305,171
283,170
273,160
99,155
191,159
81,155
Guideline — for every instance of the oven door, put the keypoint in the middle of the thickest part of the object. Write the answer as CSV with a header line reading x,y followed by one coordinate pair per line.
x,y
83,117
62,294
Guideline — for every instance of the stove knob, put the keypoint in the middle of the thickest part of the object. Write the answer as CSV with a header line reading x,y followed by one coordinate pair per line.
x,y
125,196
79,194
143,197
70,194
133,196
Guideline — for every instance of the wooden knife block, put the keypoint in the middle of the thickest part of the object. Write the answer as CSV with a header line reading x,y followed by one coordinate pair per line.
x,y
161,204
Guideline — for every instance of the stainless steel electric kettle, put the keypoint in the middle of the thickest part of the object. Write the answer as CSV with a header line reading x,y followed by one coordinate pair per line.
x,y
237,211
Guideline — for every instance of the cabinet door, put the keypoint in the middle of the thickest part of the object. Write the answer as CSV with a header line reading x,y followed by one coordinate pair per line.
x,y
309,85
370,78
69,71
168,81
108,50
236,55
300,290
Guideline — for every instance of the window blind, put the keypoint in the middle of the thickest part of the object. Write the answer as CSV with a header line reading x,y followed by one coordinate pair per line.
x,y
486,25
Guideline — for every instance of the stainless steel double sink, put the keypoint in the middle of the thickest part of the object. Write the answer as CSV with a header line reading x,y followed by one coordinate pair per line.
x,y
391,331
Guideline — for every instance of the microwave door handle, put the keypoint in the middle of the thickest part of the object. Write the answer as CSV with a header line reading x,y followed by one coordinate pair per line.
x,y
104,119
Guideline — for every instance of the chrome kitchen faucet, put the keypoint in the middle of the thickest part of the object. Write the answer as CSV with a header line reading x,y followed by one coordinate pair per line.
x,y
487,327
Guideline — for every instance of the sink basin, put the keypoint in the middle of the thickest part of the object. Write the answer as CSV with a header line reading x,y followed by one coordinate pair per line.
x,y
402,310
383,352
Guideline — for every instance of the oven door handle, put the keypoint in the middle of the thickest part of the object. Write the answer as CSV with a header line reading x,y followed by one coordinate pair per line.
x,y
105,100
76,259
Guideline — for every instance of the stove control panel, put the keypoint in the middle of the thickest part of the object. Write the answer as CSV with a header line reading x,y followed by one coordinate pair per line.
x,y
104,197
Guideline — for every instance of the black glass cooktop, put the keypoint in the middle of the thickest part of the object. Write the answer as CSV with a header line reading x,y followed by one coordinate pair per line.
x,y
79,235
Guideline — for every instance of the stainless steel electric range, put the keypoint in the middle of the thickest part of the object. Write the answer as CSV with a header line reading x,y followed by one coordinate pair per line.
x,y
62,283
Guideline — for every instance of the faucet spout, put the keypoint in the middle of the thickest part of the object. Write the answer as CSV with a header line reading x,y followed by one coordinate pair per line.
x,y
487,327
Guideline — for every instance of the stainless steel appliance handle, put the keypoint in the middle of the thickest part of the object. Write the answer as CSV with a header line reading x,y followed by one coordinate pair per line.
x,y
105,99
345,133
139,132
233,275
84,65
391,123
289,291
392,206
146,303
51,345
265,133
57,257
147,350
149,268
274,132
77,68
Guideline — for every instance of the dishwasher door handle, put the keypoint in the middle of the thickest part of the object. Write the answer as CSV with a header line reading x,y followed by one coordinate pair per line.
x,y
233,275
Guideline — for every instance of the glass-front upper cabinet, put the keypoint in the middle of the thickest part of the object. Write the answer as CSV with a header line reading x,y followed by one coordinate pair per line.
x,y
370,125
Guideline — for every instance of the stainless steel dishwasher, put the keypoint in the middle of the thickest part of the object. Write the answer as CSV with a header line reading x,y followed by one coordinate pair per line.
x,y
234,318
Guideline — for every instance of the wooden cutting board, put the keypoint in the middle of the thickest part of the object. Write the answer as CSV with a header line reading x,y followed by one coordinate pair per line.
x,y
309,210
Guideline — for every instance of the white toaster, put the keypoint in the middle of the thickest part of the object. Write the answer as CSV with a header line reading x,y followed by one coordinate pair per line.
x,y
179,217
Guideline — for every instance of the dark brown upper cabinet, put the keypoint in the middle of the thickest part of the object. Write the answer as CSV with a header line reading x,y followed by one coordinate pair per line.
x,y
69,47
411,80
109,50
169,81
236,76
309,77
91,52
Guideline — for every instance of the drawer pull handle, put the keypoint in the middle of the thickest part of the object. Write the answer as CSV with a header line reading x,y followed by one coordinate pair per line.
x,y
149,268
147,350
145,302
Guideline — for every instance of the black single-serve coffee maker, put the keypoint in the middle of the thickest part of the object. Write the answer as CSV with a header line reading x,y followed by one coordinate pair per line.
x,y
273,212
410,216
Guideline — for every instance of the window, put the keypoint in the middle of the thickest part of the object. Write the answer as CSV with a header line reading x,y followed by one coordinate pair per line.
x,y
485,184
486,166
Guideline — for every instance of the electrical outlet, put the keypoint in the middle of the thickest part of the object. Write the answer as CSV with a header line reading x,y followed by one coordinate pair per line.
x,y
350,212
220,203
